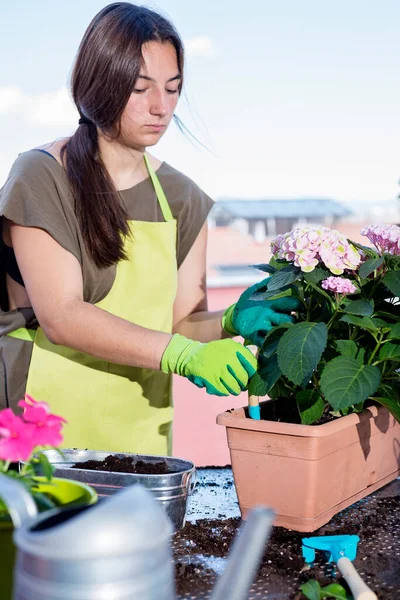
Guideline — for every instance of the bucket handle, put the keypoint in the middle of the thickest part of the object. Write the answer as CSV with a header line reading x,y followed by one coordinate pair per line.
x,y
191,481
20,504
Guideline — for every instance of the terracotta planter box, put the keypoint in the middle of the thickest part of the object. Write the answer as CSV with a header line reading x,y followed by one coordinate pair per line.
x,y
309,473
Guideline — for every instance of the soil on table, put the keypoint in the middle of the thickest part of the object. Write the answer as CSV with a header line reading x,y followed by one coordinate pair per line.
x,y
376,522
124,464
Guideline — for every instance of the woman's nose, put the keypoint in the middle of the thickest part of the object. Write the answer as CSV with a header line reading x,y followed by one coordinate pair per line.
x,y
159,104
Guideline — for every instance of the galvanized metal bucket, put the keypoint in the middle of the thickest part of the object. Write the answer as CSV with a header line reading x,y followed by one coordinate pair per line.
x,y
171,489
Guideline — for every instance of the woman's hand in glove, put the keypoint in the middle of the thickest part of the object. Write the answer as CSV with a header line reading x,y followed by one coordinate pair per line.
x,y
223,367
252,319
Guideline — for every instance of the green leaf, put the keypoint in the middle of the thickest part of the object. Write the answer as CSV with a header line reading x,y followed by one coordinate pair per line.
x,y
311,589
395,332
362,308
273,295
392,261
267,374
300,350
321,291
311,406
47,468
344,382
369,266
269,371
284,277
316,275
389,351
334,590
392,282
380,323
265,268
257,386
278,263
44,501
357,408
360,355
392,404
368,323
347,348
269,347
368,251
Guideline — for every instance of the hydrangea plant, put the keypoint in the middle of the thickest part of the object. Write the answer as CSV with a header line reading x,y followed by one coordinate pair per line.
x,y
343,348
23,438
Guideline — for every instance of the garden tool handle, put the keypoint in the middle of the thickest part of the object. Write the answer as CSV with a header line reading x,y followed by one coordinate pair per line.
x,y
254,401
254,407
358,587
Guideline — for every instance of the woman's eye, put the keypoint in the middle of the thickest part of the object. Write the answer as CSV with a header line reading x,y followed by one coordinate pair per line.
x,y
139,91
172,91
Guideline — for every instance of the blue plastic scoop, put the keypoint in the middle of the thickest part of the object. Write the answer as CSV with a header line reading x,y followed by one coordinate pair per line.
x,y
335,545
341,549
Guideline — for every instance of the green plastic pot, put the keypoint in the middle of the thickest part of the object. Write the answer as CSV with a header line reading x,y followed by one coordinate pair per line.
x,y
65,493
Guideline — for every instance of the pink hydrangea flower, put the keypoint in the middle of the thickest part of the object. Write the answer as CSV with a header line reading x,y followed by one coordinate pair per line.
x,y
17,437
47,427
308,246
339,285
386,238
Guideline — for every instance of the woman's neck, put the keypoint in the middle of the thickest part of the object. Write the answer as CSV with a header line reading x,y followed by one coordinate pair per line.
x,y
125,165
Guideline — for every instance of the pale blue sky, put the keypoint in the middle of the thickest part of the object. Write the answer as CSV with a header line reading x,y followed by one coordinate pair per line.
x,y
294,98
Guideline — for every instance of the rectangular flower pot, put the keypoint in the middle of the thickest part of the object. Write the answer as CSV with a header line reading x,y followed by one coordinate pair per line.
x,y
309,473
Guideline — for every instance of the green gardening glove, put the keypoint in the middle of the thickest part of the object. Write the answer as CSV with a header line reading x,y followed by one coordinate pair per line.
x,y
223,367
252,319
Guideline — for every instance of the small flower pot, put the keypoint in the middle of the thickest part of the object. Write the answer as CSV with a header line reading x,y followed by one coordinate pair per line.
x,y
65,493
309,473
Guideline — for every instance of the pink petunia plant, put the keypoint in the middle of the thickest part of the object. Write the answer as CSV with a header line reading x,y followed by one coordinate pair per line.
x,y
23,439
343,347
47,427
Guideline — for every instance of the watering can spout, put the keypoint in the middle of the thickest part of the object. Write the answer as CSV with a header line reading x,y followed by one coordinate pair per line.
x,y
245,556
20,504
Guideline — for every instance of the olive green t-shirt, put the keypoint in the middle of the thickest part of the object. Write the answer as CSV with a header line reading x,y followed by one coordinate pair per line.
x,y
37,194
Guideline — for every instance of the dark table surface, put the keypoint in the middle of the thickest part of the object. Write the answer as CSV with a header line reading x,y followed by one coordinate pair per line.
x,y
215,498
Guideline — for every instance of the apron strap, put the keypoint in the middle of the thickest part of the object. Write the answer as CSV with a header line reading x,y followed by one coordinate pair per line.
x,y
28,335
162,200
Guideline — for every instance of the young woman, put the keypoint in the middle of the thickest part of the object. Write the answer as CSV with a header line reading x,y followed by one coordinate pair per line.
x,y
103,291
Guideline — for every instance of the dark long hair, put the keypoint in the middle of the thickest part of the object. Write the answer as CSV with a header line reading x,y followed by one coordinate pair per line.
x,y
105,71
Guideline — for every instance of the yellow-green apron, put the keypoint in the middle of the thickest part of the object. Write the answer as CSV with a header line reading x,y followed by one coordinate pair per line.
x,y
108,406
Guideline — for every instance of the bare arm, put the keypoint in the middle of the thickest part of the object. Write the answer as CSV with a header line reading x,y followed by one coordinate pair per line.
x,y
191,315
53,281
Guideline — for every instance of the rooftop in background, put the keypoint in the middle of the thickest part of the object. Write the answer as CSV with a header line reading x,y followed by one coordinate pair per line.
x,y
279,209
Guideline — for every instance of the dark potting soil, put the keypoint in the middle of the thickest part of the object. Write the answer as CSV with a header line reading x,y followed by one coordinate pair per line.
x,y
124,464
285,410
199,547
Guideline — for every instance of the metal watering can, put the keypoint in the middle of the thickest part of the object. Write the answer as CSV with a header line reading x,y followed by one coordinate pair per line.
x,y
118,549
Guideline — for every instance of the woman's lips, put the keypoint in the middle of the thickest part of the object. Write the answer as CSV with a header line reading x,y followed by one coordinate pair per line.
x,y
156,127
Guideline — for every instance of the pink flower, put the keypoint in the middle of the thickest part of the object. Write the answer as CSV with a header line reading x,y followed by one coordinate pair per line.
x,y
339,285
386,238
308,246
17,441
47,427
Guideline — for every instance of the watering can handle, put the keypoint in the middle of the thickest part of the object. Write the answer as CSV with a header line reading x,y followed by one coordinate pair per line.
x,y
18,500
245,556
358,587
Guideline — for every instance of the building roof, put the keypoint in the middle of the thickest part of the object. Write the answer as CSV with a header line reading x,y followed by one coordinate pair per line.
x,y
265,209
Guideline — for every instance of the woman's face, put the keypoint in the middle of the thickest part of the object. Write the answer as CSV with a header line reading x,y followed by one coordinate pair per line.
x,y
152,103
